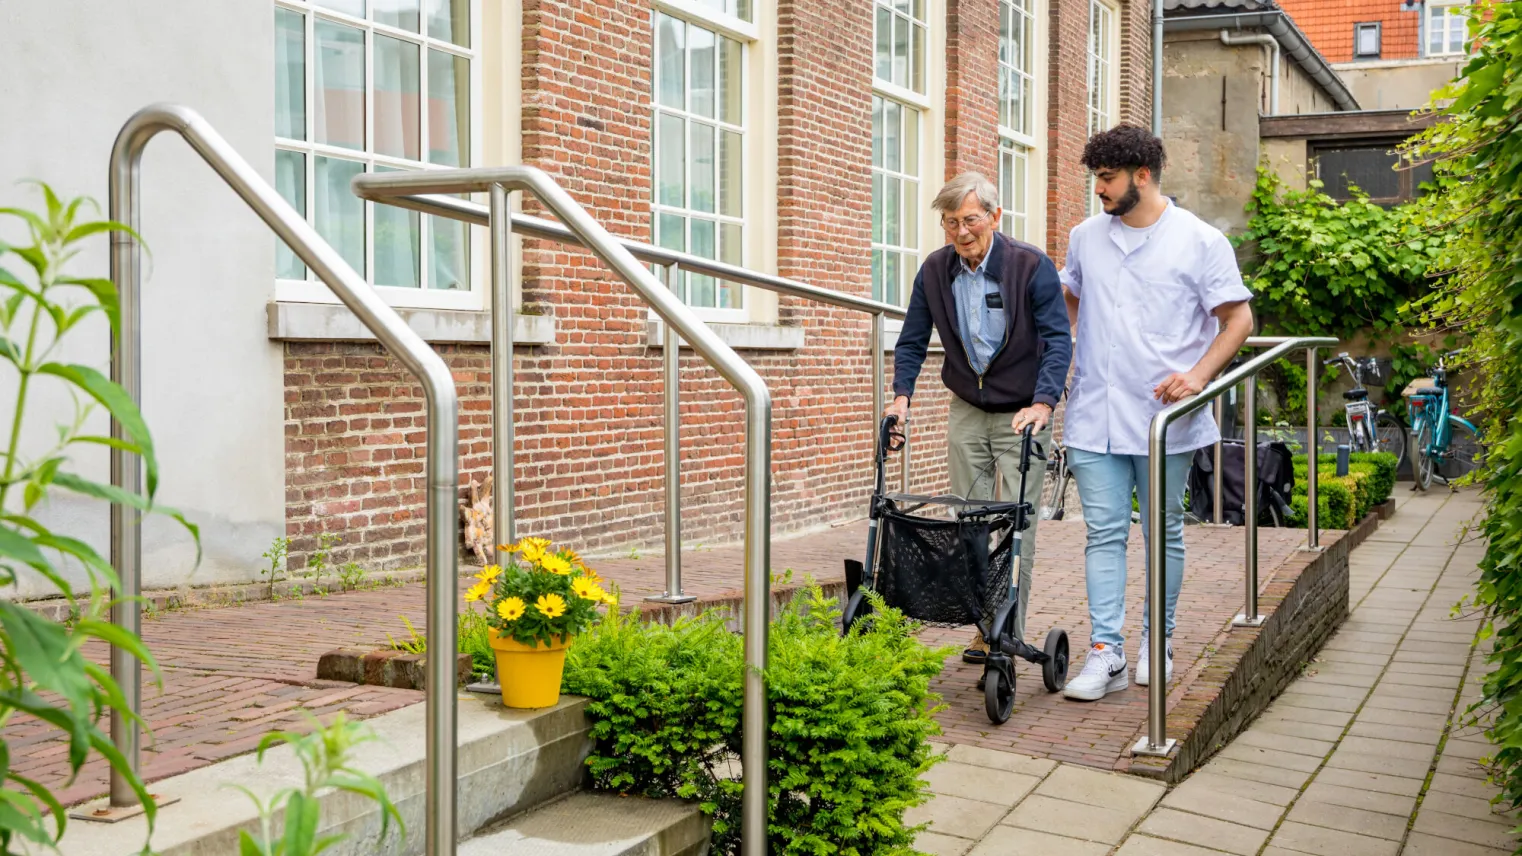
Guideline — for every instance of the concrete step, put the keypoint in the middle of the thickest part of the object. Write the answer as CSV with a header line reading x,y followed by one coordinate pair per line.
x,y
587,824
509,762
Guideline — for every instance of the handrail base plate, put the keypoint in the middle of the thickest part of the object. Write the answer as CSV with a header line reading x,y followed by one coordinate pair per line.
x,y
1244,620
1144,747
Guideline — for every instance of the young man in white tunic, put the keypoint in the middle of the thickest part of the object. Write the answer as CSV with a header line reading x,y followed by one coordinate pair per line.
x,y
1159,308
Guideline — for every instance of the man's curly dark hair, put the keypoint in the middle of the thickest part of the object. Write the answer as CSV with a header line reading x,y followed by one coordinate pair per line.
x,y
1125,147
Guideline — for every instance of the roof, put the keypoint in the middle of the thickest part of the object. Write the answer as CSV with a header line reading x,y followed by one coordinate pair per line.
x,y
1213,7
1329,24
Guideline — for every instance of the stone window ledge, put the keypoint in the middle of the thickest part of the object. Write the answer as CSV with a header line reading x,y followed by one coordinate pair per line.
x,y
329,322
741,337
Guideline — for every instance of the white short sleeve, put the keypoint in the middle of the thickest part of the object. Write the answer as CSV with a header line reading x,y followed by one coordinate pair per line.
x,y
1071,274
1220,280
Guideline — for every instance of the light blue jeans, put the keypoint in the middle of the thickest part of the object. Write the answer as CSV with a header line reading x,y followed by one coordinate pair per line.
x,y
1105,482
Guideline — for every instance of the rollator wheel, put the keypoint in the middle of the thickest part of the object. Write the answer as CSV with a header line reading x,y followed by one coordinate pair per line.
x,y
998,692
856,606
1054,672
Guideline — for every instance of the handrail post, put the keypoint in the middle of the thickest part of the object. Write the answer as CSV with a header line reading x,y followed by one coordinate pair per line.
x,y
672,374
504,527
1312,525
1217,517
1250,616
1156,742
879,396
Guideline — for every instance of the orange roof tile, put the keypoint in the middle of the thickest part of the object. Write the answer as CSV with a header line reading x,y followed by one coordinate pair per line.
x,y
1329,26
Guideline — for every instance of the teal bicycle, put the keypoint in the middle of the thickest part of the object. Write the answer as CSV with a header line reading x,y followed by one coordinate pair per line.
x,y
1447,446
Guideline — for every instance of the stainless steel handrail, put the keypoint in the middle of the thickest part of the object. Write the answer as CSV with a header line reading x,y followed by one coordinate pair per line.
x,y
1312,365
1156,741
581,228
389,328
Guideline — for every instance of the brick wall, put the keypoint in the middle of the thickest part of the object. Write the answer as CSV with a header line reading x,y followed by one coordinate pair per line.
x,y
1329,26
589,431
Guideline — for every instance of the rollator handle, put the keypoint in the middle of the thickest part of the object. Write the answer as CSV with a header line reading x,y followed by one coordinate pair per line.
x,y
890,437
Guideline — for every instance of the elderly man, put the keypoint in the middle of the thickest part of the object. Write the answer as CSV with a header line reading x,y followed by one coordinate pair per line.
x,y
998,307
1160,309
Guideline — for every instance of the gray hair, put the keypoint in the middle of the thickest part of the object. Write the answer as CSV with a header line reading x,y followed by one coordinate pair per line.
x,y
955,192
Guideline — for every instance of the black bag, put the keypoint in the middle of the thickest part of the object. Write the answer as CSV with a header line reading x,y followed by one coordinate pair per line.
x,y
1276,483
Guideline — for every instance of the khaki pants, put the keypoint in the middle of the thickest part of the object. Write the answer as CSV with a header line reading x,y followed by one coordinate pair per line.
x,y
974,439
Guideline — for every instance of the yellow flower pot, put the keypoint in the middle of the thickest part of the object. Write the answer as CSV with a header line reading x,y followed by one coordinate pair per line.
x,y
529,675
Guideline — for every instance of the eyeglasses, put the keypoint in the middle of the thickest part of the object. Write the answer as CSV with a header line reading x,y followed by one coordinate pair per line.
x,y
952,224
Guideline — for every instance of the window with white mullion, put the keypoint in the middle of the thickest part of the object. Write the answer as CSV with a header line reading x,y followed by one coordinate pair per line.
x,y
899,42
1446,28
1014,188
1103,84
699,154
1017,29
895,199
377,79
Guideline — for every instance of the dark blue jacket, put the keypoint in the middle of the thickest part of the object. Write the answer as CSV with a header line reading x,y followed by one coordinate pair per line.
x,y
1031,366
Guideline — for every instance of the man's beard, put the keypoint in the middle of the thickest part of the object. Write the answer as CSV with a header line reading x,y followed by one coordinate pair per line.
x,y
1127,202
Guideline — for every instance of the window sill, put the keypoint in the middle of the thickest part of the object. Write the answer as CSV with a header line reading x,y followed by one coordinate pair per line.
x,y
741,337
323,322
890,341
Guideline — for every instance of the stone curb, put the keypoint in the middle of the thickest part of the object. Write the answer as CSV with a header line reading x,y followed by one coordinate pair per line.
x,y
384,668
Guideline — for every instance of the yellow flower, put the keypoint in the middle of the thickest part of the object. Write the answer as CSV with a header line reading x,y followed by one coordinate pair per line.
x,y
555,565
479,591
588,590
530,553
511,608
575,559
489,574
550,605
508,548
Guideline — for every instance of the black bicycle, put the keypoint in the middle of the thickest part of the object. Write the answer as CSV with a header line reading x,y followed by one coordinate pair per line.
x,y
954,569
1370,429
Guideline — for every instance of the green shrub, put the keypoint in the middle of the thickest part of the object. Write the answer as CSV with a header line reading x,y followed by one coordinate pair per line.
x,y
1381,466
849,720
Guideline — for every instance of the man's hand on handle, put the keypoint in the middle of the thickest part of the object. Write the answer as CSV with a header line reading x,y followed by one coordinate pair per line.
x,y
1178,386
899,408
1037,415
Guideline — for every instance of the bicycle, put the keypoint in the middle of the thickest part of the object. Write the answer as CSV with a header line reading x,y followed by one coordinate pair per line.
x,y
1054,490
1370,429
1447,445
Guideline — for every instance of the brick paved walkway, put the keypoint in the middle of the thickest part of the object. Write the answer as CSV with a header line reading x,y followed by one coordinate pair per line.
x,y
234,673
1362,756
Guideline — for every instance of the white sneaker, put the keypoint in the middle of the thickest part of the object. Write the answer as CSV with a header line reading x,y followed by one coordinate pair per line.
x,y
1104,672
1143,664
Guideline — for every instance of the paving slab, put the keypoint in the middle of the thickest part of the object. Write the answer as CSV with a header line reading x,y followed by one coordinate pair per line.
x,y
979,784
941,845
1321,792
1421,844
1011,762
1359,821
1204,831
1251,771
1010,841
963,818
1146,845
1320,841
1078,786
1211,781
1224,806
1088,822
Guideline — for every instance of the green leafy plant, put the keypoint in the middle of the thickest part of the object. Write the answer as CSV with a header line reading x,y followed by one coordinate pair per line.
x,y
43,671
321,560
325,756
275,555
350,576
541,596
849,718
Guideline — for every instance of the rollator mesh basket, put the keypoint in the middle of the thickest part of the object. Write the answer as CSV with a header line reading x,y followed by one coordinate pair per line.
x,y
944,571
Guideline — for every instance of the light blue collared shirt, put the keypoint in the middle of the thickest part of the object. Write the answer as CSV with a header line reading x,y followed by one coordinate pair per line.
x,y
982,327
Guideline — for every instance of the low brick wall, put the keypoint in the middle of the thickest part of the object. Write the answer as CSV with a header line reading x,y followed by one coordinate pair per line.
x,y
1305,601
384,668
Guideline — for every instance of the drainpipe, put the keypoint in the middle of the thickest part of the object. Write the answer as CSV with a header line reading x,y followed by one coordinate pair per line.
x,y
1273,45
1157,68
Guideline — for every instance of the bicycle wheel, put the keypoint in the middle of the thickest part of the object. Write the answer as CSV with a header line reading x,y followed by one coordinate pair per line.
x,y
1390,436
1054,490
1426,462
1462,456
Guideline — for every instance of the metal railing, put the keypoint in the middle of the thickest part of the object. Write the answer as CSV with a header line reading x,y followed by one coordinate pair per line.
x,y
126,470
1156,741
666,260
579,227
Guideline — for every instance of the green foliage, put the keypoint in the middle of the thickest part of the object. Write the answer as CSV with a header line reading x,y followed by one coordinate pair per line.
x,y
275,555
541,596
1479,152
43,671
1343,501
849,720
325,756
1329,268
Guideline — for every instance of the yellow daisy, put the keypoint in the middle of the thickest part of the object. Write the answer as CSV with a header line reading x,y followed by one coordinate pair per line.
x,y
574,558
489,574
530,553
588,590
555,565
508,548
510,608
479,591
550,605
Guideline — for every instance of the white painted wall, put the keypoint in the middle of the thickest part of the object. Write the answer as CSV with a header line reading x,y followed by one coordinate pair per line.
x,y
73,72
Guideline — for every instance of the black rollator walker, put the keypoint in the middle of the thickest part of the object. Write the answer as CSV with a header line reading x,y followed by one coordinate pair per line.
x,y
957,569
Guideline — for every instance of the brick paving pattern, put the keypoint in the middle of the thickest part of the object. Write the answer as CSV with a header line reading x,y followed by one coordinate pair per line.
x,y
232,674
1368,752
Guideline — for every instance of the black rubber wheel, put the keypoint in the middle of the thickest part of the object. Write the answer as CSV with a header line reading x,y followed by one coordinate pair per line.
x,y
1390,436
856,607
1426,464
998,693
1054,672
1464,451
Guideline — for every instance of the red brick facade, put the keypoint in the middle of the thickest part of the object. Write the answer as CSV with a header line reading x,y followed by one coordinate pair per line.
x,y
589,426
1329,25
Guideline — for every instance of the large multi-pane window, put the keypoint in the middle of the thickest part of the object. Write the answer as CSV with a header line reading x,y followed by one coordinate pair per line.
x,y
1103,84
373,86
1017,93
1446,24
900,34
699,150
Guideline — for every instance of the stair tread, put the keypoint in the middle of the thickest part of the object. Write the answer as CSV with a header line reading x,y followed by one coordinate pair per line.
x,y
590,824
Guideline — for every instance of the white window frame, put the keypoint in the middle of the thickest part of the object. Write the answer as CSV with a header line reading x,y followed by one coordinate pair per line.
x,y
1105,116
748,34
313,290
1365,26
924,108
912,241
1450,21
1027,142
